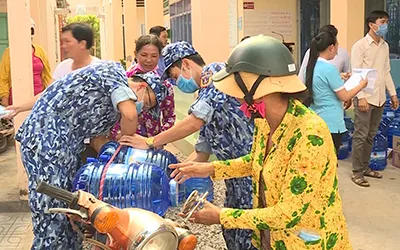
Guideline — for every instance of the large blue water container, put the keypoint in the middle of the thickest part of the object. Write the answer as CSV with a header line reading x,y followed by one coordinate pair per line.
x,y
350,129
393,129
202,185
129,155
344,147
143,185
378,159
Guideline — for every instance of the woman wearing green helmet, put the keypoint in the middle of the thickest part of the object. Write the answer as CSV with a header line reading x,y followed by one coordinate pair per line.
x,y
292,162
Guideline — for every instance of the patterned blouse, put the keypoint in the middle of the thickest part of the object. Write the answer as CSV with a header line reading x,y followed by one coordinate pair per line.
x,y
299,184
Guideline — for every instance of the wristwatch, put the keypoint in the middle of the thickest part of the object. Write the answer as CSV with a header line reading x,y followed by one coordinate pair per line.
x,y
150,142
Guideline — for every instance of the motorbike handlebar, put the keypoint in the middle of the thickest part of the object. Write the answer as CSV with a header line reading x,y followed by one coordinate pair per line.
x,y
58,193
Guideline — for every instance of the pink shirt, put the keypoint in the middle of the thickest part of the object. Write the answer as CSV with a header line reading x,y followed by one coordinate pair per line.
x,y
37,66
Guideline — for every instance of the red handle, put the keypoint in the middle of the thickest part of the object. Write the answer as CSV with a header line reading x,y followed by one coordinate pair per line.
x,y
104,172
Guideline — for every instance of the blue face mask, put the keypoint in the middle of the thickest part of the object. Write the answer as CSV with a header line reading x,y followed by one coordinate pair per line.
x,y
186,85
382,30
139,107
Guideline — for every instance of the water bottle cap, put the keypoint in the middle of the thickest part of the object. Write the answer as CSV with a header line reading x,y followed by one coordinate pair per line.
x,y
104,158
91,160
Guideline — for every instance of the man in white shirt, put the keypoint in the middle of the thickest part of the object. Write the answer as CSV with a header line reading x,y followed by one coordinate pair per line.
x,y
371,52
341,61
76,42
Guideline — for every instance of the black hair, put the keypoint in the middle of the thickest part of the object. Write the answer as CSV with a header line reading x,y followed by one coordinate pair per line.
x,y
146,40
81,32
329,28
375,15
318,44
196,58
244,38
156,30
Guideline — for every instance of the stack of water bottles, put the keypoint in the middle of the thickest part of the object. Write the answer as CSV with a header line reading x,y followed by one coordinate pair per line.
x,y
138,178
378,160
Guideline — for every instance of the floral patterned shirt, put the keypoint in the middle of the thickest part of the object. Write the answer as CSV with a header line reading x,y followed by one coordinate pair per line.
x,y
301,185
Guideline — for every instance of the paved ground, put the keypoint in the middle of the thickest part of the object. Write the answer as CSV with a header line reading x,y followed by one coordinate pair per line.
x,y
373,214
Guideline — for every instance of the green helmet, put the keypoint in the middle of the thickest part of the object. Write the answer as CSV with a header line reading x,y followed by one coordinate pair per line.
x,y
257,67
260,55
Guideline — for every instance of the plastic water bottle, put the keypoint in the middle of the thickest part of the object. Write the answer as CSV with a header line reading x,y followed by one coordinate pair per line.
x,y
378,159
177,193
201,185
393,129
344,147
137,185
384,125
129,155
350,129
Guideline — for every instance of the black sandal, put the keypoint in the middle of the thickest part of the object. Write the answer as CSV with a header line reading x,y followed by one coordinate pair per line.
x,y
360,181
373,174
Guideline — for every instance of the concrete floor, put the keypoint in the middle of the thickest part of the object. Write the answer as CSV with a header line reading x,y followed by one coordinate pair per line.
x,y
373,214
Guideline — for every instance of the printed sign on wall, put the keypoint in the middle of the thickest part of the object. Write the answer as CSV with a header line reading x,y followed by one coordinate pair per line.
x,y
248,5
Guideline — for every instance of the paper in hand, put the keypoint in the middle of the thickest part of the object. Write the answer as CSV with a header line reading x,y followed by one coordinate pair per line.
x,y
4,112
357,75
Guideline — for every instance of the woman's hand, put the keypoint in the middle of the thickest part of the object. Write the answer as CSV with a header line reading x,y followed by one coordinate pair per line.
x,y
135,141
347,104
15,110
209,215
345,76
187,170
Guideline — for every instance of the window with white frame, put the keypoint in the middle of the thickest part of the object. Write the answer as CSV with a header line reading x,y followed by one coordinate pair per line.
x,y
181,21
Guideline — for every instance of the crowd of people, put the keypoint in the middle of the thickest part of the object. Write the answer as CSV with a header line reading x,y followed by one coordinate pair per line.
x,y
274,133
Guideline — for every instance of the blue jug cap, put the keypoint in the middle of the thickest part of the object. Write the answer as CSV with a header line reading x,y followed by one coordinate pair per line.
x,y
104,158
91,160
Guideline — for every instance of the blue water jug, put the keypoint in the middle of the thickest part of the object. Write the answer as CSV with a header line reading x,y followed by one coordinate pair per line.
x,y
202,185
350,129
129,155
378,159
344,147
384,125
393,129
137,185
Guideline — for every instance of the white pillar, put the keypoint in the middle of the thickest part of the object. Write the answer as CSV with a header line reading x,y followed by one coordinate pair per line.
x,y
19,36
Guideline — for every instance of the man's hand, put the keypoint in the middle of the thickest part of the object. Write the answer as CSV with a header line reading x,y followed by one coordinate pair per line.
x,y
394,102
363,105
347,104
